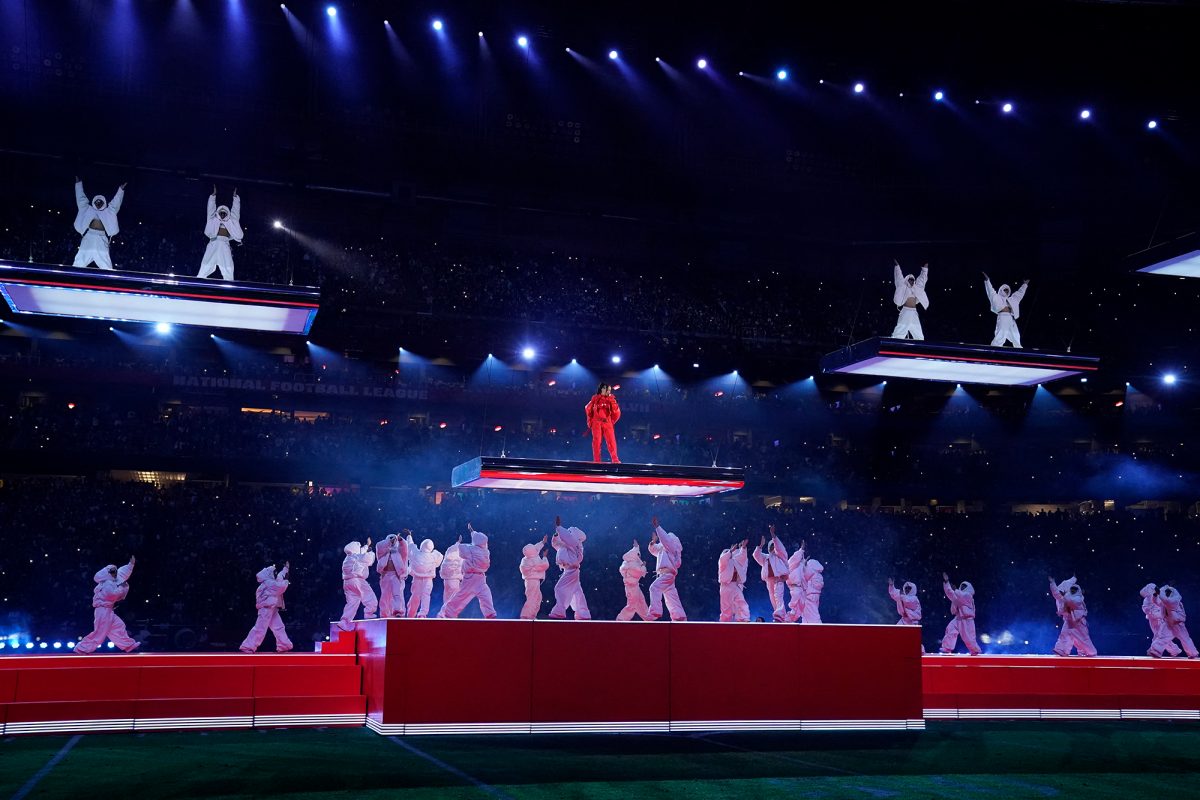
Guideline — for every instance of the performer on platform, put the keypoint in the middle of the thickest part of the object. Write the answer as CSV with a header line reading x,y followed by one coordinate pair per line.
x,y
451,572
732,566
96,222
1006,305
1154,616
476,560
669,551
602,414
1175,627
632,570
224,226
796,563
112,585
533,571
962,606
910,292
1070,605
908,605
356,566
268,599
568,556
391,562
774,563
813,584
423,563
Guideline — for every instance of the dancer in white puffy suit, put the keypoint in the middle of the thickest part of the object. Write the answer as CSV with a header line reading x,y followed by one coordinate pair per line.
x,y
568,556
962,606
812,583
451,572
1174,623
1070,605
423,562
732,568
356,566
476,560
774,563
910,292
632,570
112,584
96,222
1006,305
391,562
268,599
669,552
533,571
908,605
1154,616
796,562
224,225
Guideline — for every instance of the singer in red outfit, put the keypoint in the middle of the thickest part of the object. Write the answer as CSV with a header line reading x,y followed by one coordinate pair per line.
x,y
602,413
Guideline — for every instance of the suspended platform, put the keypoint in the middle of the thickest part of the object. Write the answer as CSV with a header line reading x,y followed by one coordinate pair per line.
x,y
489,472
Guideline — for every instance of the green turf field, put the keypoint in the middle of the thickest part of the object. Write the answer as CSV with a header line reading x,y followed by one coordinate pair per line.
x,y
951,760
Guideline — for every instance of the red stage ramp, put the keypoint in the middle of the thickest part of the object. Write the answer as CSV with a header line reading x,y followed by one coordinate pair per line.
x,y
146,691
1052,687
427,676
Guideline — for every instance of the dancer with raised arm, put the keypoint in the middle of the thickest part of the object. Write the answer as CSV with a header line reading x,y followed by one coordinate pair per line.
x,y
112,586
96,222
476,561
268,599
910,292
224,225
669,552
1006,305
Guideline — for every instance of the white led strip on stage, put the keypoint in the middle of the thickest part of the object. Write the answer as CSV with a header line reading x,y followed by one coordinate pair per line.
x,y
932,369
182,723
1062,713
689,726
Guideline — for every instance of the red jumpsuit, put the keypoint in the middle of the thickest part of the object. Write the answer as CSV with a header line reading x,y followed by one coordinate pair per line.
x,y
602,413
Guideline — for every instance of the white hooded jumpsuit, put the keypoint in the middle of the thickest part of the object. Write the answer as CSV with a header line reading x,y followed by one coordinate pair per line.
x,y
451,573
732,568
796,563
533,571
391,562
476,560
1174,619
1006,321
1154,616
814,584
568,555
423,562
223,226
356,566
1069,604
632,570
909,321
268,599
962,606
96,222
774,573
908,605
669,552
109,591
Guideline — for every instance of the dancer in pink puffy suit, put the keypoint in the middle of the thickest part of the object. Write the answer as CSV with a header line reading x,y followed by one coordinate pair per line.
x,y
908,605
962,606
112,584
391,562
632,570
451,572
423,562
476,560
533,571
268,599
796,563
356,566
813,583
1069,604
568,555
732,566
1154,616
1174,627
669,552
774,563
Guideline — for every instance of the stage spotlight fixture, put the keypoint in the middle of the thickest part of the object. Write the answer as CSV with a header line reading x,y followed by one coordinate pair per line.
x,y
528,353
481,34
1083,380
162,327
1152,124
613,55
740,73
1169,379
1007,108
939,96
277,224
522,41
695,366
616,359
859,88
568,49
702,63
1085,113
437,25
657,60
781,75
331,10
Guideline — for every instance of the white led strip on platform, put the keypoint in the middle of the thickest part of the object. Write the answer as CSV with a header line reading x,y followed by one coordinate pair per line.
x,y
1062,713
180,723
691,726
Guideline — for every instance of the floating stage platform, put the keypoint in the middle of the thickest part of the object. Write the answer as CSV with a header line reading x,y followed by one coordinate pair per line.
x,y
488,472
392,676
956,363
119,296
